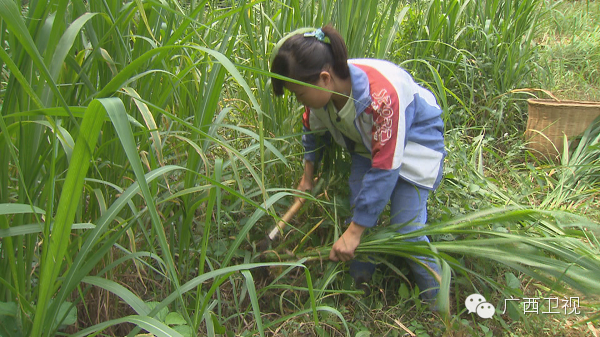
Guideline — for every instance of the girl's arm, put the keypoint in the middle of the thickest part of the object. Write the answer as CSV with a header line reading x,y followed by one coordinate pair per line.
x,y
343,249
307,181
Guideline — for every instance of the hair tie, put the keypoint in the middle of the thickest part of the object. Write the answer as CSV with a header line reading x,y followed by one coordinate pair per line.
x,y
319,35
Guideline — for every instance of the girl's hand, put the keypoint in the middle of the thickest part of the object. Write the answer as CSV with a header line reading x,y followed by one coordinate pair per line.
x,y
343,249
306,184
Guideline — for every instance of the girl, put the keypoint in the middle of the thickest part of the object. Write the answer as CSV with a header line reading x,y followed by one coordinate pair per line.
x,y
391,126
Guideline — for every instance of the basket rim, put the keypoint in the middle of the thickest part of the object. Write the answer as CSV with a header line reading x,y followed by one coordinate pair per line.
x,y
552,102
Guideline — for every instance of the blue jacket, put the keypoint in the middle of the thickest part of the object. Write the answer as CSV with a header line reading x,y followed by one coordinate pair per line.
x,y
399,123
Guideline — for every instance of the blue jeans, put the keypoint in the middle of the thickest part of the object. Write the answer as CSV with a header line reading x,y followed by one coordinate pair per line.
x,y
408,204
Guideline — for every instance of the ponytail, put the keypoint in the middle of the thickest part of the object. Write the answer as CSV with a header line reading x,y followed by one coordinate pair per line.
x,y
303,57
339,51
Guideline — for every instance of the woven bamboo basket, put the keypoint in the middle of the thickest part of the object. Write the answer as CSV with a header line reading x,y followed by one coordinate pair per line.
x,y
550,120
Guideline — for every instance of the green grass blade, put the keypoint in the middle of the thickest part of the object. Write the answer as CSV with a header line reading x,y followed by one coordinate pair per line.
x,y
149,324
82,265
150,122
125,294
267,144
249,224
193,283
119,118
443,300
11,15
7,209
64,137
254,300
311,295
67,206
36,228
62,49
16,72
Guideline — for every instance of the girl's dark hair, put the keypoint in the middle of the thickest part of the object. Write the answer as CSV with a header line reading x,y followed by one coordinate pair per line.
x,y
304,57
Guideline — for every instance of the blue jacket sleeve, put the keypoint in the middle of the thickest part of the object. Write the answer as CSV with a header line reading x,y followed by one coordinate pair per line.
x,y
309,140
377,187
314,144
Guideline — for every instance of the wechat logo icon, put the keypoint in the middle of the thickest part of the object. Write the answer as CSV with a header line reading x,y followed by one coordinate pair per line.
x,y
476,303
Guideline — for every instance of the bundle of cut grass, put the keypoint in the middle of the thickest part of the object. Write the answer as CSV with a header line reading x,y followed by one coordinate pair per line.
x,y
555,248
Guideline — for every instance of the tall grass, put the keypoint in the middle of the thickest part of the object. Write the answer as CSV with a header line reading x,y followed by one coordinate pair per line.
x,y
156,72
112,156
569,39
576,182
480,51
141,156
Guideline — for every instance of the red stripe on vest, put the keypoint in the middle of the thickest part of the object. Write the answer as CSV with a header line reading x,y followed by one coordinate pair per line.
x,y
306,117
384,110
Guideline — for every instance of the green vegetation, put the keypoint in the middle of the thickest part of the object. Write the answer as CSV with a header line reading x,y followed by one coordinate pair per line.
x,y
570,53
143,158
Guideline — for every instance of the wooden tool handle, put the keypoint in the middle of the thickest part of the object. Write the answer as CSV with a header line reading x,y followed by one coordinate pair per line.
x,y
286,218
